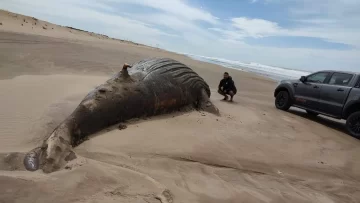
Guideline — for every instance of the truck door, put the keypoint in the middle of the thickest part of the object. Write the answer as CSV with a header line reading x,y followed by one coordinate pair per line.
x,y
307,93
334,94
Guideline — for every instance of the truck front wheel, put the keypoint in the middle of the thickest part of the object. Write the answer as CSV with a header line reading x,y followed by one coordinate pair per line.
x,y
283,100
353,124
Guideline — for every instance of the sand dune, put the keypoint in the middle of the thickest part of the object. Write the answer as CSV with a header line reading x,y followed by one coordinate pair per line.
x,y
252,153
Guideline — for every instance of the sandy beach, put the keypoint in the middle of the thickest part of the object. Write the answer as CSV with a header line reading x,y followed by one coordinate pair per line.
x,y
251,153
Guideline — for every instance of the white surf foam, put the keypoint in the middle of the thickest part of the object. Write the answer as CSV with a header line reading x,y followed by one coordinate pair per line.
x,y
272,72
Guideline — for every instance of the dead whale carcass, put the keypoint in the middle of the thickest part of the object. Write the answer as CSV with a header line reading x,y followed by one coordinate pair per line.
x,y
151,87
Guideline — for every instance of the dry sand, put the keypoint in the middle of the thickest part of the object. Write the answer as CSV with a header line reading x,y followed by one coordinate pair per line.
x,y
252,153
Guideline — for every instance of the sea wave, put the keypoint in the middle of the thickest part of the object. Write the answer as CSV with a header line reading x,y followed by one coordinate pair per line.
x,y
276,73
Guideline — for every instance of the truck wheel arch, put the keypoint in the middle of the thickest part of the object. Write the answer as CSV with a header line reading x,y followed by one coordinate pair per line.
x,y
354,107
284,88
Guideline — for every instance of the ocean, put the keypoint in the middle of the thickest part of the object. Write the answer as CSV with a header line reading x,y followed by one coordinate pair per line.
x,y
272,72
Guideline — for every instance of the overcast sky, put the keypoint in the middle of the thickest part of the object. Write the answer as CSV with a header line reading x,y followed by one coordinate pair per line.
x,y
301,34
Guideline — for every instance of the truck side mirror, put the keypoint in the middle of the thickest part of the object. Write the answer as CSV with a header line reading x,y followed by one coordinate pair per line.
x,y
303,79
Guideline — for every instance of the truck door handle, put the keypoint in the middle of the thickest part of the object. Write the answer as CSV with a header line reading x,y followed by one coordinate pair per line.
x,y
316,87
340,90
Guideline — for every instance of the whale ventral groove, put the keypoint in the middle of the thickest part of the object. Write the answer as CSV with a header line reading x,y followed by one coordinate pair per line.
x,y
149,87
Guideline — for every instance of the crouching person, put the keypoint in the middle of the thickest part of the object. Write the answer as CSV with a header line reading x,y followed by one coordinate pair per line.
x,y
227,87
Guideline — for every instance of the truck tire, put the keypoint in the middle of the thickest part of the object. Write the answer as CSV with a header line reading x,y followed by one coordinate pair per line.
x,y
353,124
283,101
312,113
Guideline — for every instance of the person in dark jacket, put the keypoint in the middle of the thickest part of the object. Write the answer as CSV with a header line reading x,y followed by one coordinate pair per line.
x,y
227,87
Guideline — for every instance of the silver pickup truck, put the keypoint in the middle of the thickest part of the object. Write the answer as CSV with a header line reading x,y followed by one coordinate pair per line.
x,y
331,93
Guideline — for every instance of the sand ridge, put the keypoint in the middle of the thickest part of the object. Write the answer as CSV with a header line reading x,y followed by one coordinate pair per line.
x,y
14,22
252,153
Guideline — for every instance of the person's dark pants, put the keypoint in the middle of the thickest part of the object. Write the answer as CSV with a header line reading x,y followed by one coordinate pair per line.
x,y
227,92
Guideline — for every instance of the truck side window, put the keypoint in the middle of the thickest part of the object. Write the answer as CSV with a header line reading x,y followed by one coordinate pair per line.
x,y
317,77
341,79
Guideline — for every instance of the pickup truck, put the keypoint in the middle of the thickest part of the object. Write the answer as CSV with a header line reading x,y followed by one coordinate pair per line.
x,y
331,93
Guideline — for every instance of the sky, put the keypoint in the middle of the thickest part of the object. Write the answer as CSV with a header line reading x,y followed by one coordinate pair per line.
x,y
301,34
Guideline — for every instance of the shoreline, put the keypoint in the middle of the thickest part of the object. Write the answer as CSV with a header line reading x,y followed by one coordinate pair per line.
x,y
255,68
